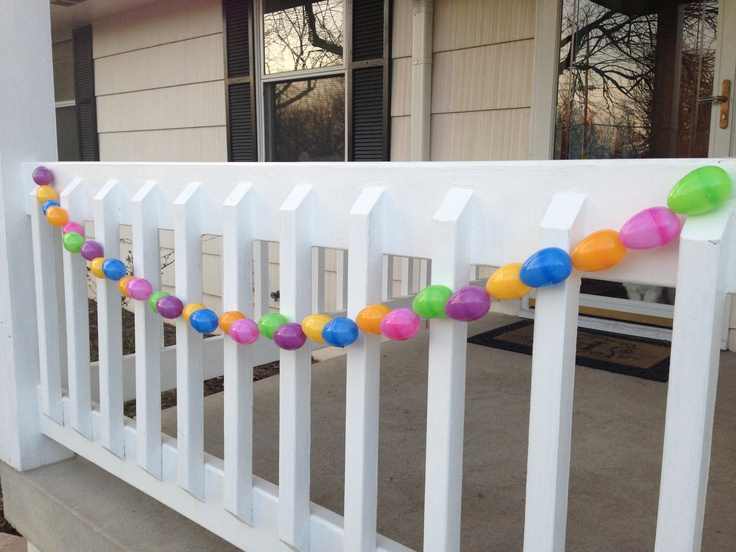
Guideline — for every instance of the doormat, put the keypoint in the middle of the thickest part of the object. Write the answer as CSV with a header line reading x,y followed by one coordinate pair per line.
x,y
622,354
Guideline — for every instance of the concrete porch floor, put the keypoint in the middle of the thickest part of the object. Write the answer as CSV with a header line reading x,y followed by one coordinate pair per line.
x,y
617,446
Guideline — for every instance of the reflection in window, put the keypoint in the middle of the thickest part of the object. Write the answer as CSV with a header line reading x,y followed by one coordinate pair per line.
x,y
302,34
631,80
305,120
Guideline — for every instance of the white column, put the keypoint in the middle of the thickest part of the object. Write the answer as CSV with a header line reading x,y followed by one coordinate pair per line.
x,y
421,79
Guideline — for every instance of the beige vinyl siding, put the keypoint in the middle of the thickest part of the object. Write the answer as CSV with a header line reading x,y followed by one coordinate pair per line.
x,y
159,73
401,79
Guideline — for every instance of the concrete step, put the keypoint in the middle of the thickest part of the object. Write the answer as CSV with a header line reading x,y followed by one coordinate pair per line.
x,y
11,543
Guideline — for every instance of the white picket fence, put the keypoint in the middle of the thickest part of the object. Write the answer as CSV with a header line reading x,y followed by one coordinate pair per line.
x,y
458,215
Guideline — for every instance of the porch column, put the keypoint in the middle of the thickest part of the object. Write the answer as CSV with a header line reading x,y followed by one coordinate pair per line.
x,y
421,79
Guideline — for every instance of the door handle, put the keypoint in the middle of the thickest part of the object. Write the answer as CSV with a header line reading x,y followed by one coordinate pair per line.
x,y
724,100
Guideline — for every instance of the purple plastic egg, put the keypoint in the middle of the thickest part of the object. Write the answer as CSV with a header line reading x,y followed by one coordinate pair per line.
x,y
73,227
244,331
653,227
91,250
290,336
468,303
400,324
140,289
42,176
169,306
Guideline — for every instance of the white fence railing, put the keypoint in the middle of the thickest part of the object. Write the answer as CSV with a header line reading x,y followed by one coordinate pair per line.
x,y
458,215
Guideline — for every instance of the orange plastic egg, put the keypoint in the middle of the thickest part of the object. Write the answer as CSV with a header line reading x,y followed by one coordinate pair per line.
x,y
45,193
191,308
57,216
369,319
95,266
506,283
228,318
123,285
598,251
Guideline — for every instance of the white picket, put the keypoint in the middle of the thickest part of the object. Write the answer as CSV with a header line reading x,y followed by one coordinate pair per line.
x,y
237,294
108,203
188,209
46,241
446,380
73,199
261,279
295,256
363,375
145,207
341,277
553,379
706,250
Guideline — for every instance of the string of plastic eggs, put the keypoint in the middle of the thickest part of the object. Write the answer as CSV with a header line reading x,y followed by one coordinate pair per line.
x,y
701,191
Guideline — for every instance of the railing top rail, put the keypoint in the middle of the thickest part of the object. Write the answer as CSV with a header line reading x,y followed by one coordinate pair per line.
x,y
509,199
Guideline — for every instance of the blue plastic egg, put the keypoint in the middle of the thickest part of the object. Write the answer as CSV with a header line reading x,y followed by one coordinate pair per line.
x,y
114,269
340,332
49,203
546,267
204,321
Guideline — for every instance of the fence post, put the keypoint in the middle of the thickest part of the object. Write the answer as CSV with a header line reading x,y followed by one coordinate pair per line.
x,y
691,392
29,134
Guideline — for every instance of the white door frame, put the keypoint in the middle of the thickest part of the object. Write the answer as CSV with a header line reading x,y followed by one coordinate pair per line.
x,y
542,139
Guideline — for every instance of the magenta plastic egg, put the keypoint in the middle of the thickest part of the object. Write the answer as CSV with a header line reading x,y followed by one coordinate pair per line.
x,y
468,303
140,289
73,227
42,176
400,324
290,336
169,307
91,250
244,331
653,227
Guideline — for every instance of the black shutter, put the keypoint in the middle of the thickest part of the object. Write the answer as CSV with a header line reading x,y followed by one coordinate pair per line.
x,y
241,121
369,78
84,91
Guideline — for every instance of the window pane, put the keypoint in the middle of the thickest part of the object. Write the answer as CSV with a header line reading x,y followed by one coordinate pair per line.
x,y
305,120
302,34
63,57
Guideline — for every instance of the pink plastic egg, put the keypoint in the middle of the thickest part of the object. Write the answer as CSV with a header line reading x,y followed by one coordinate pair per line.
x,y
400,324
73,227
244,331
653,227
139,288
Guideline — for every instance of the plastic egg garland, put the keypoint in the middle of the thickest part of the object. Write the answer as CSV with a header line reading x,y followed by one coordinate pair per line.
x,y
154,298
546,267
431,301
42,176
369,318
227,318
169,307
244,331
290,336
114,269
313,325
56,216
190,309
95,267
139,289
48,204
269,323
45,193
73,227
73,242
340,332
204,321
123,285
650,228
506,283
700,191
400,324
468,303
91,250
600,250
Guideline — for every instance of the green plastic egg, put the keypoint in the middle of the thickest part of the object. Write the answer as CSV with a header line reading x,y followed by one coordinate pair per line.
x,y
153,300
700,191
269,323
431,301
73,242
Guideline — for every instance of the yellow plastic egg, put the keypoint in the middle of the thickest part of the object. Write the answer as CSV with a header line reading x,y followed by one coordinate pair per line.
x,y
191,308
598,251
45,193
95,266
369,319
506,283
56,216
123,285
313,325
228,318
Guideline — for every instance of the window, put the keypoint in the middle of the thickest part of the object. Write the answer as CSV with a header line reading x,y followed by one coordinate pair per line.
x,y
307,79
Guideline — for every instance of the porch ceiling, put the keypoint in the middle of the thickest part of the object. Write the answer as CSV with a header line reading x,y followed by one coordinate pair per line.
x,y
66,16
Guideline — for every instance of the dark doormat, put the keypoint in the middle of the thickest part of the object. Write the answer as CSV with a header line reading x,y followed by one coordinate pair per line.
x,y
622,354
